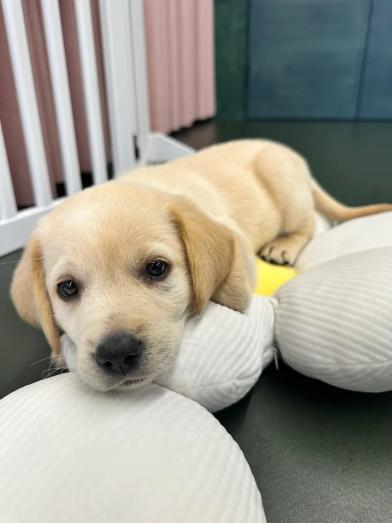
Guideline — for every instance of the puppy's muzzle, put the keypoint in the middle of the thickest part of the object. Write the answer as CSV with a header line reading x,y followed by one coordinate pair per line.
x,y
119,354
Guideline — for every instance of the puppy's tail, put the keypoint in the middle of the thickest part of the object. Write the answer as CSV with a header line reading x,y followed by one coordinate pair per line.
x,y
336,211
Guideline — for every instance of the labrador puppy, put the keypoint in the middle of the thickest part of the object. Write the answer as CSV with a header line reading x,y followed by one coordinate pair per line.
x,y
119,267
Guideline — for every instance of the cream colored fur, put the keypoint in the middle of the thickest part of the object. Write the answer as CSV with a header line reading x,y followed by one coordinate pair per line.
x,y
206,214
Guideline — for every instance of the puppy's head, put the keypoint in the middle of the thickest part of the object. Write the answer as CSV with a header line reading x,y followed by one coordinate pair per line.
x,y
119,268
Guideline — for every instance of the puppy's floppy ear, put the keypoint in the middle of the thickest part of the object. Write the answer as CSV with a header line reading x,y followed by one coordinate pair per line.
x,y
29,294
219,264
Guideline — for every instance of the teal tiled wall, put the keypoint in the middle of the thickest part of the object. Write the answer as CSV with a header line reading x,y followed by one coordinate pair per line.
x,y
304,59
231,31
376,95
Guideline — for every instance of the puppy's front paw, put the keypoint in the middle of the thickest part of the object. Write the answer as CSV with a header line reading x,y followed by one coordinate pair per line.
x,y
280,252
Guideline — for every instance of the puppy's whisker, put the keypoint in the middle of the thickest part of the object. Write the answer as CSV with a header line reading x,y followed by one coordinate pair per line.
x,y
45,359
50,370
8,262
17,261
60,370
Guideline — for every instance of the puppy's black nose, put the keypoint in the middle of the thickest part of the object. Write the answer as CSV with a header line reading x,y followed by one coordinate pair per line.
x,y
119,353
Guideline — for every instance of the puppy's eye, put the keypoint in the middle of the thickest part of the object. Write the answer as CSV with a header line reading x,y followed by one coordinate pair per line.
x,y
157,269
67,289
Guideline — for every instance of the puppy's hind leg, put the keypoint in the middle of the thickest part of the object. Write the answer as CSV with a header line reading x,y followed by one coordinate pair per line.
x,y
285,174
285,249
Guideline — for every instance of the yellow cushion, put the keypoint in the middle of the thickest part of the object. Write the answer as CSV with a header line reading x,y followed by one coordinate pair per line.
x,y
271,277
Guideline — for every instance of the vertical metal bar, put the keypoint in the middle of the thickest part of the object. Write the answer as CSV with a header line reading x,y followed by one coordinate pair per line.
x,y
119,70
21,65
140,74
91,89
7,198
62,98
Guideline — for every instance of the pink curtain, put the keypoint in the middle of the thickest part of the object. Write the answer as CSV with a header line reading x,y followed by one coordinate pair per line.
x,y
180,57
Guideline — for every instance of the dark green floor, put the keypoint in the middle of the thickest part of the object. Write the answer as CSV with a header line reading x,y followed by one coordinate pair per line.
x,y
319,454
352,160
21,346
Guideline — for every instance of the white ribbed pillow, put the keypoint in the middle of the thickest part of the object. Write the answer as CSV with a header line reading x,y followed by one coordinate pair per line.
x,y
222,354
70,454
334,323
361,234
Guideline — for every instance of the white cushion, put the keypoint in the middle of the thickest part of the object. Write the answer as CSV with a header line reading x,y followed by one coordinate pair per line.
x,y
68,453
222,354
356,235
334,323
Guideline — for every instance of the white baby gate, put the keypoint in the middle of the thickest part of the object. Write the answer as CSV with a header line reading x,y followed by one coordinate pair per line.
x,y
122,26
